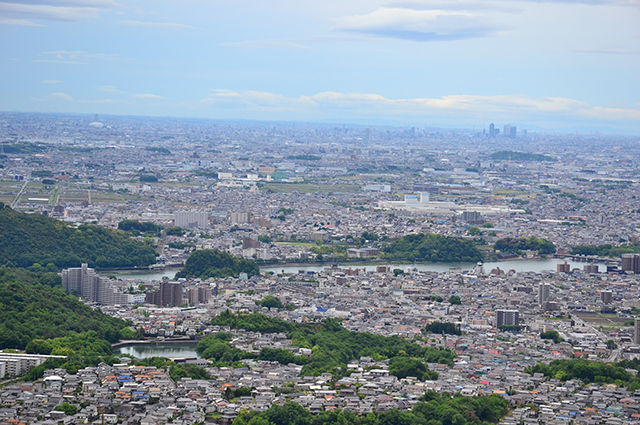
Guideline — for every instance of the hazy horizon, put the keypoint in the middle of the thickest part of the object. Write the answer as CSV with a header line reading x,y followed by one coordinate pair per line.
x,y
557,65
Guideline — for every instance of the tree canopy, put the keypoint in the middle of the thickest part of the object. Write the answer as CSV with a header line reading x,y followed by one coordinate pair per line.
x,y
31,312
27,239
434,409
206,263
333,346
543,246
521,156
431,247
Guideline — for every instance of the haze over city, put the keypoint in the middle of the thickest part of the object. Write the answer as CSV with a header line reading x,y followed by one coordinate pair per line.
x,y
556,65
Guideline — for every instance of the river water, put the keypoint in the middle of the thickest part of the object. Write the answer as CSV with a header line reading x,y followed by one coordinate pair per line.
x,y
517,265
160,350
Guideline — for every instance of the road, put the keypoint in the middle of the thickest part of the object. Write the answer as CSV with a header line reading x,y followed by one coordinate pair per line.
x,y
17,198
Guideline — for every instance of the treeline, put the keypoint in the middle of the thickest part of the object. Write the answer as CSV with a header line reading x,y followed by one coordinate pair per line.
x,y
440,327
431,247
521,156
22,148
31,312
139,227
333,346
206,263
606,250
591,372
518,245
27,239
305,157
217,348
433,409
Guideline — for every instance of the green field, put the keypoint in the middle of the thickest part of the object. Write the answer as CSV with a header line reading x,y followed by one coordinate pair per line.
x,y
300,244
310,188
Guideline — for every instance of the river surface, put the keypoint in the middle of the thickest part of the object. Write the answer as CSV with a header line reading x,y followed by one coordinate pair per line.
x,y
517,265
160,350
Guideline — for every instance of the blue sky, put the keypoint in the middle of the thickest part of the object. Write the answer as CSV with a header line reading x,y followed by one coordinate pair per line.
x,y
553,64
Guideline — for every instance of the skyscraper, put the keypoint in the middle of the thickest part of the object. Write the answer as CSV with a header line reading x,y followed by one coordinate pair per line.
x,y
507,317
543,292
631,263
492,130
85,283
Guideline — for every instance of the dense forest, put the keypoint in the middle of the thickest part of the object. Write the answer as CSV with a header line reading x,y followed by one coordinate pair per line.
x,y
27,239
333,346
592,372
517,245
206,263
31,311
521,156
138,227
606,250
431,247
433,409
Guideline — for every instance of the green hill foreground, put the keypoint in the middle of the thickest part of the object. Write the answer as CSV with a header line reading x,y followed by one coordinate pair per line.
x,y
27,239
32,312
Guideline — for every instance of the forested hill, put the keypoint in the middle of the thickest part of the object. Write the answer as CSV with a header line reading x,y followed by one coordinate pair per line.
x,y
432,247
26,239
206,263
30,309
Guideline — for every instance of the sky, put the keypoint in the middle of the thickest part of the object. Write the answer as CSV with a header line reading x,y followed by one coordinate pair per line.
x,y
548,64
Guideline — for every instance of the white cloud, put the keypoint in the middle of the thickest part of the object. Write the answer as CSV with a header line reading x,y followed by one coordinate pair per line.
x,y
608,51
54,97
23,22
73,57
22,12
60,96
267,44
148,96
427,23
162,25
366,105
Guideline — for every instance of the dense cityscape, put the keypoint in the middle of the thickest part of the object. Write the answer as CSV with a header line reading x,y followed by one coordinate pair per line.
x,y
495,263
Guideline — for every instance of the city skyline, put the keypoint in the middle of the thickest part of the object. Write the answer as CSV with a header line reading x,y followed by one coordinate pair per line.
x,y
560,65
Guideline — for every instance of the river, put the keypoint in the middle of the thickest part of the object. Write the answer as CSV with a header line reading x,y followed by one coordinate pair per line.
x,y
159,350
517,265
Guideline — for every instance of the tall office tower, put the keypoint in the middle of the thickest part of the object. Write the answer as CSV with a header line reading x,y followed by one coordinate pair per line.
x,y
170,293
240,217
83,281
591,268
512,132
189,219
492,130
204,293
86,283
543,292
563,268
636,331
507,317
199,295
631,263
506,131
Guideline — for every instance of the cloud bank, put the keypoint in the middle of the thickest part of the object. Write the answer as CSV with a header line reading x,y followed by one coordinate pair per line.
x,y
364,105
